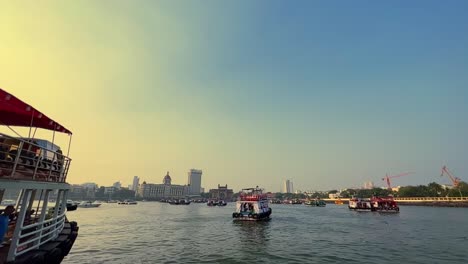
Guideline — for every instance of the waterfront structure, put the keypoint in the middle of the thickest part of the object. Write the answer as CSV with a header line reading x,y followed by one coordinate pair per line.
x,y
287,186
135,184
194,181
166,190
222,193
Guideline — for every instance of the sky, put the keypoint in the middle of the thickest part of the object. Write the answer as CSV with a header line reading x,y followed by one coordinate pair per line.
x,y
329,94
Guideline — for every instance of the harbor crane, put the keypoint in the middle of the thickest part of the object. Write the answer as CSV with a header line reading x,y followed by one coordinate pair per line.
x,y
387,178
455,180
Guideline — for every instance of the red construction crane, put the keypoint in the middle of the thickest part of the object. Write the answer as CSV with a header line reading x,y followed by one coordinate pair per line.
x,y
387,178
455,180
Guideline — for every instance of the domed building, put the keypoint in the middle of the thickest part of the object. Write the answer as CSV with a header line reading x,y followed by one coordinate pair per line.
x,y
166,190
167,179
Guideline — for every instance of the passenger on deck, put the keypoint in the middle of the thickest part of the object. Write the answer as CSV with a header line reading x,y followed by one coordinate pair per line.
x,y
10,212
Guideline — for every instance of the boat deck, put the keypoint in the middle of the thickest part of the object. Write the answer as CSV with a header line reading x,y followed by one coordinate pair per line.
x,y
51,252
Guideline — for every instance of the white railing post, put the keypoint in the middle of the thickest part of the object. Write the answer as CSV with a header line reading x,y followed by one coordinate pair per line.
x,y
57,209
19,225
43,216
51,167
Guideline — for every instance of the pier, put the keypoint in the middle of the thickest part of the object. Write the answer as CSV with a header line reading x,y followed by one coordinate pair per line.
x,y
423,201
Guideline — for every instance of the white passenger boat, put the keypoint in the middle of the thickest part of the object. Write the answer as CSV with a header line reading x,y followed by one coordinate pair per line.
x,y
252,206
89,204
32,229
128,202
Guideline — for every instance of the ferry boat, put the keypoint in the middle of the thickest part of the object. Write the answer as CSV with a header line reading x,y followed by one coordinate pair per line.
x,y
33,229
252,206
359,204
315,202
384,204
374,204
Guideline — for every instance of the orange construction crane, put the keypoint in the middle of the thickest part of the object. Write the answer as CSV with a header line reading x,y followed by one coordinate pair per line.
x,y
387,178
455,180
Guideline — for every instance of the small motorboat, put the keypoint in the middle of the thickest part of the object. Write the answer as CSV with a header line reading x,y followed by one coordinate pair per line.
x,y
89,204
339,201
315,202
184,202
128,202
211,203
71,206
221,203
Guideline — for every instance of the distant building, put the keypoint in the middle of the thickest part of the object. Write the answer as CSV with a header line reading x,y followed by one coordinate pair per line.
x,y
222,193
90,189
77,192
163,191
334,195
109,190
117,185
136,183
194,181
368,185
287,186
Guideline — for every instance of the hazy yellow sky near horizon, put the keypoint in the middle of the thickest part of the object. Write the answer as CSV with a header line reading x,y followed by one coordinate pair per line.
x,y
82,66
250,93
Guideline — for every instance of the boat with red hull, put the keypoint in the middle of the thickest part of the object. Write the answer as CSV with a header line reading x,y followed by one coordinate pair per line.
x,y
374,204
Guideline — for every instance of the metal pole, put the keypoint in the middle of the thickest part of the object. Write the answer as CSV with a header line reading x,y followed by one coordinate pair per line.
x,y
32,119
69,145
53,151
34,134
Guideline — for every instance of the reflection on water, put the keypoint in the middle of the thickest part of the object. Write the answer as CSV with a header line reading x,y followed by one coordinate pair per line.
x,y
152,232
251,232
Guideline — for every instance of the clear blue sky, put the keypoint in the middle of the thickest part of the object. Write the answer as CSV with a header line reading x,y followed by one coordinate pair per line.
x,y
327,93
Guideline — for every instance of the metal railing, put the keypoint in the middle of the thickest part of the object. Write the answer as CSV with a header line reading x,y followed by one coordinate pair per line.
x,y
22,158
428,199
30,234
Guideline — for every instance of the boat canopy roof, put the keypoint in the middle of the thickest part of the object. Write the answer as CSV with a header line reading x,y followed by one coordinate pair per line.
x,y
14,112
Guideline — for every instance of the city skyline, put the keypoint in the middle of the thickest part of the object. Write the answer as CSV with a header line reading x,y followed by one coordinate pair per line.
x,y
329,95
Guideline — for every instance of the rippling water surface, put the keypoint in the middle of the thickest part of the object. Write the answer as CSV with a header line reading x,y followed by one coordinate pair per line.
x,y
153,232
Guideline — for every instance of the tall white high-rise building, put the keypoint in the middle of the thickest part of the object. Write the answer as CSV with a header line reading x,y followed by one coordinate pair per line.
x,y
136,183
287,186
194,181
